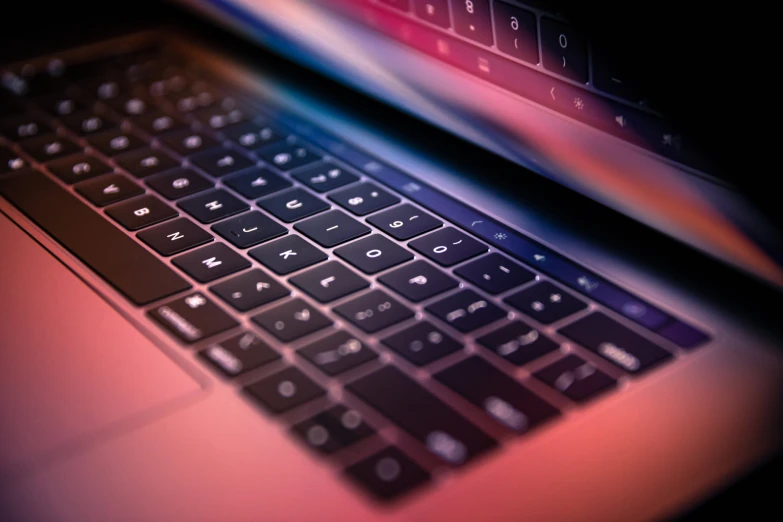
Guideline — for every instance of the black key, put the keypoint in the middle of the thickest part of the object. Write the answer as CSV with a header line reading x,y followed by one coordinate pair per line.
x,y
86,123
145,162
23,127
332,228
221,161
249,229
418,281
364,198
129,105
545,302
293,204
466,311
518,343
211,262
221,116
284,390
116,142
337,353
286,155
239,354
500,396
332,430
473,20
179,183
387,474
404,402
329,281
613,341
157,122
175,236
250,290
254,135
374,311
9,161
422,343
257,183
575,378
292,320
404,222
195,98
448,246
287,255
48,147
495,273
324,176
141,212
78,167
611,76
187,142
373,254
212,206
563,50
193,317
60,104
516,32
119,259
434,11
108,189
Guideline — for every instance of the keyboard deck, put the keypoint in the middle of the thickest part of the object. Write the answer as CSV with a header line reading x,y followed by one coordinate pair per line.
x,y
310,272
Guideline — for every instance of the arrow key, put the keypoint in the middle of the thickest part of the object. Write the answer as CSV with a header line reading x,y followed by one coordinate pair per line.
x,y
108,189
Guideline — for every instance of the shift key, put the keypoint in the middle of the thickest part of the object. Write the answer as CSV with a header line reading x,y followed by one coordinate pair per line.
x,y
193,317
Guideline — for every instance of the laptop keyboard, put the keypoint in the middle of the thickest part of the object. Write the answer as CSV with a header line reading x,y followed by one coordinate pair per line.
x,y
394,329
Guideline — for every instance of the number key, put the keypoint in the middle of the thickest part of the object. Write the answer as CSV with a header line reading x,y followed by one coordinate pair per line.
x,y
364,198
448,246
516,32
472,20
564,50
404,222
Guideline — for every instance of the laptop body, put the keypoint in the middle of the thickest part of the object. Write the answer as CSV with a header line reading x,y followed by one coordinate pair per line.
x,y
166,437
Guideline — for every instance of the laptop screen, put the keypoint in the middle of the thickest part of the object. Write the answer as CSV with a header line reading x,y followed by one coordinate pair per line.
x,y
519,80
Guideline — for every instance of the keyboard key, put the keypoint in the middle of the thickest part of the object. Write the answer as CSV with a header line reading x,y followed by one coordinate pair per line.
x,y
249,229
179,183
286,155
284,390
221,116
418,281
193,317
212,206
500,396
257,183
174,236
239,354
78,167
337,353
108,189
287,255
145,162
332,228
157,122
611,75
518,343
293,205
575,378
187,142
86,123
211,262
23,127
466,311
388,474
404,402
221,161
9,161
404,222
329,281
374,311
473,20
422,343
563,50
141,212
253,135
129,105
332,430
48,147
250,290
324,176
516,32
613,341
60,104
545,302
448,246
373,254
495,273
364,198
115,142
292,320
434,11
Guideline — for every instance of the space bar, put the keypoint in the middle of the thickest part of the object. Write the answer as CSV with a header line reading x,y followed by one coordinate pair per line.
x,y
125,264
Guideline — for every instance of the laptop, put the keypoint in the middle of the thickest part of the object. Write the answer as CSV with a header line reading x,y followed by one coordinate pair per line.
x,y
369,260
